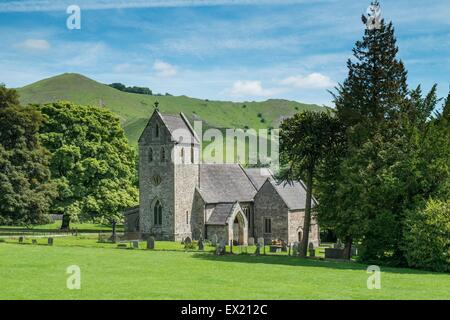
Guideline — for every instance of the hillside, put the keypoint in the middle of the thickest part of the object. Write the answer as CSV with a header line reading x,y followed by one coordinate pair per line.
x,y
135,109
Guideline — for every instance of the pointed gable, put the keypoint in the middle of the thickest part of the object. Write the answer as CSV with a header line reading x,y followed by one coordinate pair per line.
x,y
177,126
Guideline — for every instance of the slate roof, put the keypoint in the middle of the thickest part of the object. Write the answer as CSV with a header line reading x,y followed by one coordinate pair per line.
x,y
293,194
220,214
225,183
180,128
258,176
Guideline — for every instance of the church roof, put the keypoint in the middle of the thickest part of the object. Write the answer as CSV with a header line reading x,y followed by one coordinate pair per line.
x,y
225,183
258,176
293,194
220,214
179,128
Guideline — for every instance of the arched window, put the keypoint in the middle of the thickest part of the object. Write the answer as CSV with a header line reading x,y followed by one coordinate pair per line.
x,y
157,131
187,217
157,214
192,153
150,155
182,155
163,154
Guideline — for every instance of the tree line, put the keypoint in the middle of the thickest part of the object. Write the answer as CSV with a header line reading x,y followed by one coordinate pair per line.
x,y
62,158
379,164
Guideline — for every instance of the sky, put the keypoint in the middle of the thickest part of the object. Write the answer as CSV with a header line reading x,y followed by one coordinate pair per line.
x,y
239,50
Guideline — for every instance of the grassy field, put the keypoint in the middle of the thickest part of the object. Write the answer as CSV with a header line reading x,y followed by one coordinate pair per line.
x,y
135,109
39,272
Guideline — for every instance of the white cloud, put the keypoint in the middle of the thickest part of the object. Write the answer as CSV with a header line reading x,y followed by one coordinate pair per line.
x,y
35,44
250,88
312,81
164,69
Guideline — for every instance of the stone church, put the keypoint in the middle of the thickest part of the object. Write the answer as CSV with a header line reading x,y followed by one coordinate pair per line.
x,y
181,197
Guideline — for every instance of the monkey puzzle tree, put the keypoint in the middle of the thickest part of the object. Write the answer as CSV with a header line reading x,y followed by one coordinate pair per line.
x,y
306,140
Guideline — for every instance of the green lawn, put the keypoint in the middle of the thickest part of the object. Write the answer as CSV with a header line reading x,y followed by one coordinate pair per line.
x,y
39,272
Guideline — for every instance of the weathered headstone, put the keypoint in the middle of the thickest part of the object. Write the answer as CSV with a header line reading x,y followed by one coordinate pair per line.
x,y
261,241
201,247
50,241
332,253
150,243
34,241
221,248
251,241
295,248
258,249
312,251
135,244
21,239
214,240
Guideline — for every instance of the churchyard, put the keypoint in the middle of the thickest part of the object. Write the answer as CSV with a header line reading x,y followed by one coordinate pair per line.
x,y
33,268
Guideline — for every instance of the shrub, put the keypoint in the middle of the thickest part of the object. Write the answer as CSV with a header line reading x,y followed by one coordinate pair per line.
x,y
427,237
259,115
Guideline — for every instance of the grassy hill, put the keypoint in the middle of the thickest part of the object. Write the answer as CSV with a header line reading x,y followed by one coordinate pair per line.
x,y
135,109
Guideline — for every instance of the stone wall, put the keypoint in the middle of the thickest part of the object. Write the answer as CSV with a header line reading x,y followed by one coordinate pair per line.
x,y
186,180
220,231
296,220
156,181
198,216
268,204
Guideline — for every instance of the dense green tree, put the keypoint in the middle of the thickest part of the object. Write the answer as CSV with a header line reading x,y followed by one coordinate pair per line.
x,y
427,236
305,140
26,192
394,155
91,162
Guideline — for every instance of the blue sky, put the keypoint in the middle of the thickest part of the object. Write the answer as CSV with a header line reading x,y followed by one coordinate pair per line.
x,y
227,49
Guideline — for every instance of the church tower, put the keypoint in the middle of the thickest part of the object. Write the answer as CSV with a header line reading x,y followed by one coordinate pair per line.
x,y
168,175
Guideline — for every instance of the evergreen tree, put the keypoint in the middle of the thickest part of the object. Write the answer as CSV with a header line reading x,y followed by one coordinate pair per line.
x,y
306,140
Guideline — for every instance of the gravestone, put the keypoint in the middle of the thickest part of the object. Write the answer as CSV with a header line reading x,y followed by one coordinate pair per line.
x,y
135,244
258,248
214,240
312,252
251,241
261,241
150,243
221,248
201,247
34,241
332,253
20,239
295,248
354,251
50,241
